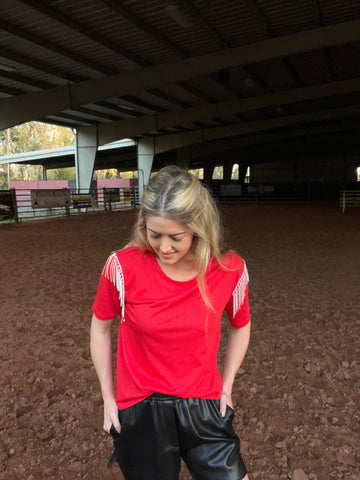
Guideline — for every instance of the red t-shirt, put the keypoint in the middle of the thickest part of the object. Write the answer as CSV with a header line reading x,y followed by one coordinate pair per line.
x,y
168,340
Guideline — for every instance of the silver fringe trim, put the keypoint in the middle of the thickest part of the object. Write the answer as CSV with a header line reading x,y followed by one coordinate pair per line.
x,y
113,272
240,290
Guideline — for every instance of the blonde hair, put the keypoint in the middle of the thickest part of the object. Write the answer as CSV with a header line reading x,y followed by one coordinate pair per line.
x,y
176,194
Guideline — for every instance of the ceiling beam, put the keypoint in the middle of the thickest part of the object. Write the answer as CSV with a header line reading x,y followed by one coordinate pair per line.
x,y
108,132
242,143
189,8
153,33
77,119
41,66
61,50
17,77
101,39
200,20
268,32
32,106
73,24
319,20
10,91
58,73
54,47
156,35
165,143
26,59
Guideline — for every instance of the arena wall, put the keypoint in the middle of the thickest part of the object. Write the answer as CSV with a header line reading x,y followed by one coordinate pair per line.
x,y
328,167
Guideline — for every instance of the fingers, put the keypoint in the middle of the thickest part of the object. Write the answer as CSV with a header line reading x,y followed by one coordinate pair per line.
x,y
115,422
107,427
112,421
111,416
225,399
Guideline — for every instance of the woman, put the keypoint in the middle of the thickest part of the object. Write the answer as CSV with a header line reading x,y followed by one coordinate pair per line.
x,y
170,286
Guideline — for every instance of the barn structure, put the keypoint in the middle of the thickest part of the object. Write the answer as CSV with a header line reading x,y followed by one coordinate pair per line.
x,y
270,85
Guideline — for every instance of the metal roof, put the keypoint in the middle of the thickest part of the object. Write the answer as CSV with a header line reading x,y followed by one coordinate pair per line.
x,y
215,69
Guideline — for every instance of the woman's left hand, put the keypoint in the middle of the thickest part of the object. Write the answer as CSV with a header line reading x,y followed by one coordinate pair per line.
x,y
225,399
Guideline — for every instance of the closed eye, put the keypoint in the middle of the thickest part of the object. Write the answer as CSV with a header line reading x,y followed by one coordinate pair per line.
x,y
175,239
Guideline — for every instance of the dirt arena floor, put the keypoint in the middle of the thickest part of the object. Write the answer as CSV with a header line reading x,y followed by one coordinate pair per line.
x,y
296,397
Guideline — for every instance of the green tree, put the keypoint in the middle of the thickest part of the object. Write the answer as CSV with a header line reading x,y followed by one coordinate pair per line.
x,y
30,137
33,136
67,173
3,177
106,173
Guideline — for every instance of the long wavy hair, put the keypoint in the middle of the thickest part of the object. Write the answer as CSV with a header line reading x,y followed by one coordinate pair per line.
x,y
176,194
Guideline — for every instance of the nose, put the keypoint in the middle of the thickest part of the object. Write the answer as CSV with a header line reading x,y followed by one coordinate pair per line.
x,y
165,245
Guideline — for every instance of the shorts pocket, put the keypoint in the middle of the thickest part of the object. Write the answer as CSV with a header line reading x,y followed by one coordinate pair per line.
x,y
228,413
116,436
114,433
226,422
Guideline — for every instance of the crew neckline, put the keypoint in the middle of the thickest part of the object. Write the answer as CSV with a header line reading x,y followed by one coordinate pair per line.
x,y
183,282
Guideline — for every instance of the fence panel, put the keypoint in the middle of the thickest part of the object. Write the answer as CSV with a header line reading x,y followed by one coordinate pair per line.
x,y
36,204
8,207
349,199
258,194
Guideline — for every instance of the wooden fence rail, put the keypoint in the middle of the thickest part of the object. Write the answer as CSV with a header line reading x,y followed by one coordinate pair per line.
x,y
349,199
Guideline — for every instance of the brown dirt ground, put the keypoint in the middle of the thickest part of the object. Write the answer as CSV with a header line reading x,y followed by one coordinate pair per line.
x,y
297,396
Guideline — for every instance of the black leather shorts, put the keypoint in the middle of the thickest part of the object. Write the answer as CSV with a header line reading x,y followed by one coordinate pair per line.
x,y
157,432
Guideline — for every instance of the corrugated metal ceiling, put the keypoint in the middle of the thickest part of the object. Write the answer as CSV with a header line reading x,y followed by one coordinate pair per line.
x,y
47,43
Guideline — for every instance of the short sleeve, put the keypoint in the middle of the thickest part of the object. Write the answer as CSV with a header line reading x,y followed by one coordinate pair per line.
x,y
109,300
237,308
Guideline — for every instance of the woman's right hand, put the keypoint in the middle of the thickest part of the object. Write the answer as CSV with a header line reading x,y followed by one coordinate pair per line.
x,y
111,415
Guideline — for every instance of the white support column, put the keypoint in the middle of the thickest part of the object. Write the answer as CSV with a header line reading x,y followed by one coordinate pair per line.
x,y
145,157
85,152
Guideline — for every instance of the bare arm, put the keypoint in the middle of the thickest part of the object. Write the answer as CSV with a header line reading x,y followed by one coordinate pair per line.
x,y
102,357
237,344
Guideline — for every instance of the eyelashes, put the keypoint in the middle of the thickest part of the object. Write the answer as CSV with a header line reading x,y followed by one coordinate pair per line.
x,y
156,237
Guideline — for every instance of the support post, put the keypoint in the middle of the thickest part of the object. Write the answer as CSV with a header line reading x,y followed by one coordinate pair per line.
x,y
145,157
227,171
208,173
242,171
86,144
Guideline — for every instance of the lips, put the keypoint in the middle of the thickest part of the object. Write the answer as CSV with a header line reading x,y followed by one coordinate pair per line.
x,y
167,256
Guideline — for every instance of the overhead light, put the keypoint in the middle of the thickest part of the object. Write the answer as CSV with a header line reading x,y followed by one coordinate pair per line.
x,y
176,14
126,107
119,103
7,68
249,82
